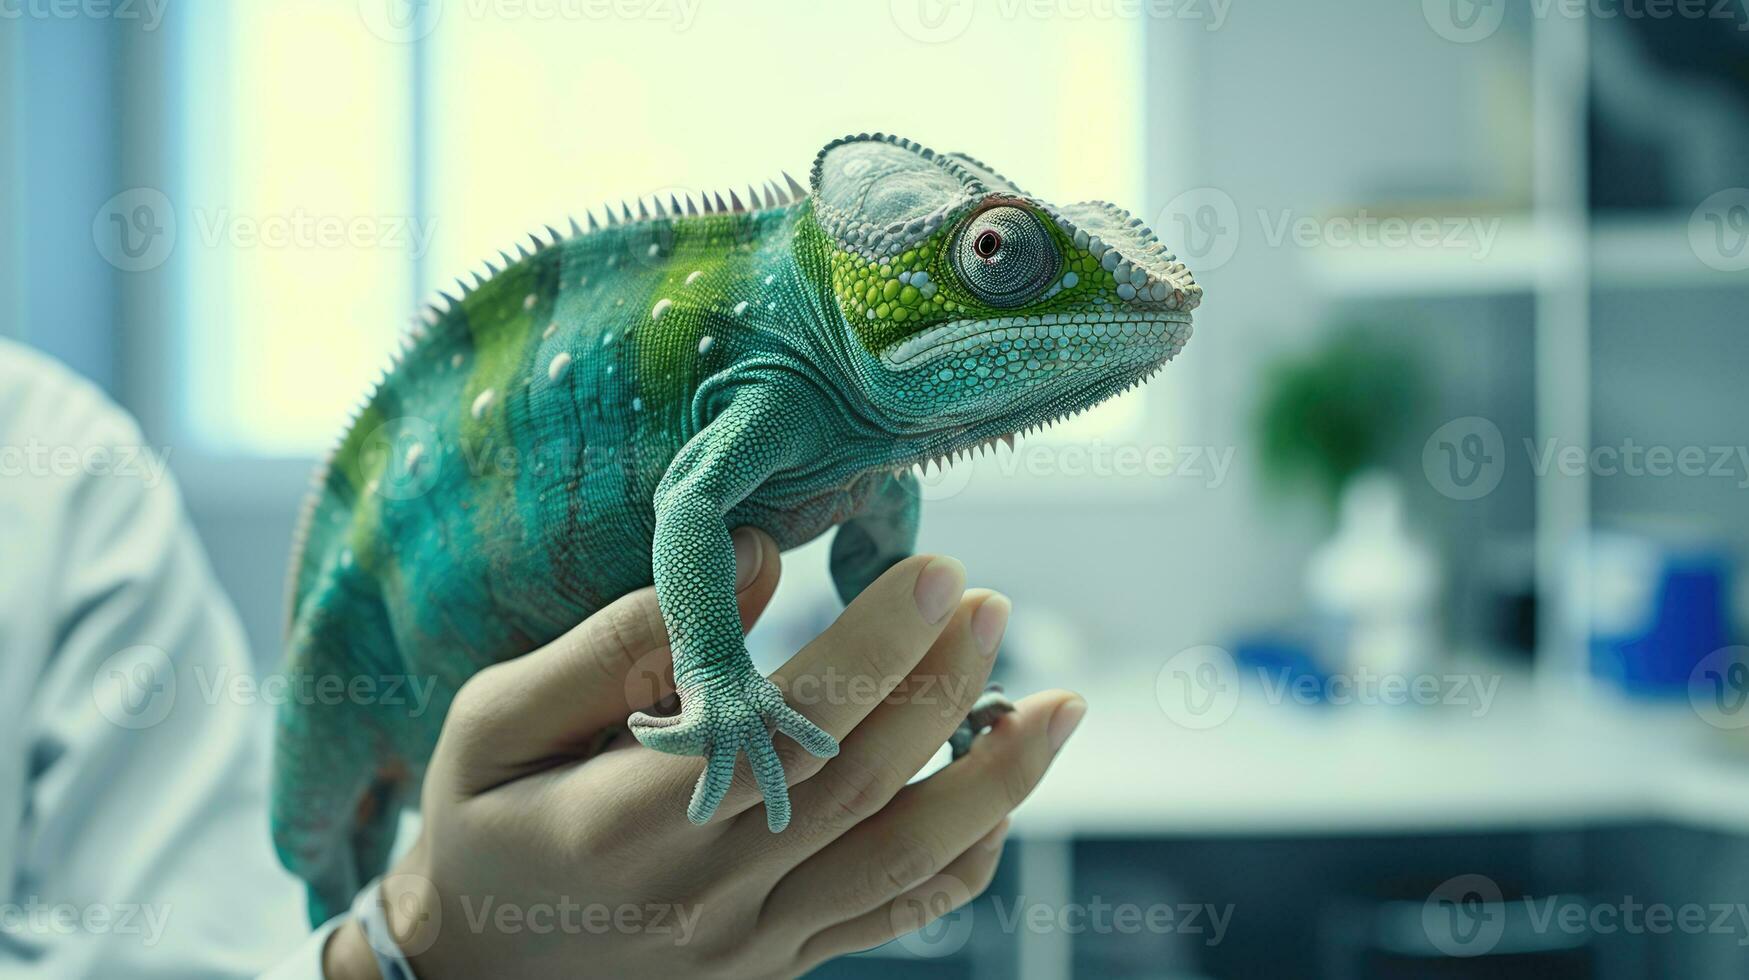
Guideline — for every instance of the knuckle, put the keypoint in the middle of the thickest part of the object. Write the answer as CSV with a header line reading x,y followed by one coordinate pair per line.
x,y
472,707
855,788
904,861
624,635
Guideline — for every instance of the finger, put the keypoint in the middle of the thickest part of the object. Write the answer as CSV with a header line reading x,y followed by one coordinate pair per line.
x,y
962,880
521,713
836,680
930,822
900,736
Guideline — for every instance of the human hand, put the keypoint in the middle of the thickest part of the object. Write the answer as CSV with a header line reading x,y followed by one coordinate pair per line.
x,y
539,859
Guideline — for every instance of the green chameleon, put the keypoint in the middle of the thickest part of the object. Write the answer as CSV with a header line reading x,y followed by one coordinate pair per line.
x,y
599,414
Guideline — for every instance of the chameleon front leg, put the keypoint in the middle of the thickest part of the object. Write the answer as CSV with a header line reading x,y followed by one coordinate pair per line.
x,y
726,705
881,536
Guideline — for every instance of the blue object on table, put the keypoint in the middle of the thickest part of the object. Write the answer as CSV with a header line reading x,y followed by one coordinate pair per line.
x,y
1286,659
1658,608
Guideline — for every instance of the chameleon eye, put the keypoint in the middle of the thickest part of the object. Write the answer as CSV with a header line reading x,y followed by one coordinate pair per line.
x,y
1004,256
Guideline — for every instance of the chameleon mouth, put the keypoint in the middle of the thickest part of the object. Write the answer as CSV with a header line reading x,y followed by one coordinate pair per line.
x,y
1162,328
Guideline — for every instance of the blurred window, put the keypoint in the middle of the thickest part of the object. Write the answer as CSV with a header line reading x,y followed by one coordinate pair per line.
x,y
303,122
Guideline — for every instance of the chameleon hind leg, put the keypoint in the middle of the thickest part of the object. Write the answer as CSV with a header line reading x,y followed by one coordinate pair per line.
x,y
881,536
337,791
990,706
884,534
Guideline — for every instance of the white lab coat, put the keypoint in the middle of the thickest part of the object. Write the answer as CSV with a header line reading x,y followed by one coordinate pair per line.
x,y
133,818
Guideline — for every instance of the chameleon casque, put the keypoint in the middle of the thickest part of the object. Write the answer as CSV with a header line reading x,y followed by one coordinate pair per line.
x,y
599,413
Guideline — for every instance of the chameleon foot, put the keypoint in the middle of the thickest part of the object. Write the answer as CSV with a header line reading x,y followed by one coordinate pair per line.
x,y
720,721
991,705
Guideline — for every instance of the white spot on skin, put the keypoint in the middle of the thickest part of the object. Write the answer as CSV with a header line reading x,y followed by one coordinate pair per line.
x,y
662,306
415,453
770,279
705,342
551,329
740,307
607,338
456,361
557,368
655,250
483,403
637,404
528,301
692,277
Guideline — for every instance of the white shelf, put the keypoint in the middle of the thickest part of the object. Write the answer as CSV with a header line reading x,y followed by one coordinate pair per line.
x,y
1513,261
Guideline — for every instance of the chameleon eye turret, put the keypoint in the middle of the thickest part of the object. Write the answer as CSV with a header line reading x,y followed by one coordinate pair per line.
x,y
1004,256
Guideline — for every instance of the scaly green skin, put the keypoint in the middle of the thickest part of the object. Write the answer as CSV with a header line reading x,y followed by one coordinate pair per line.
x,y
597,416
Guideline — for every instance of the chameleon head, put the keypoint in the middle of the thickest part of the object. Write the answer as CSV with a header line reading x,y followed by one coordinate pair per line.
x,y
974,310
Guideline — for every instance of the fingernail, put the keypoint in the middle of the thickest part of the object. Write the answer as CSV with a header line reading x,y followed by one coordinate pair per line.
x,y
990,622
748,557
1064,722
939,587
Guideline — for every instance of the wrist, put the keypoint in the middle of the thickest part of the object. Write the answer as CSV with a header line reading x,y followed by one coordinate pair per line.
x,y
347,955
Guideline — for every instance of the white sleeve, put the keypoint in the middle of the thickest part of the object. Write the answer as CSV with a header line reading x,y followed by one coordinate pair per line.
x,y
133,759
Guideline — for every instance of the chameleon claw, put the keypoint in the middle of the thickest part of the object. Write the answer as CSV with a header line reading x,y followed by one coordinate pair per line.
x,y
991,705
720,723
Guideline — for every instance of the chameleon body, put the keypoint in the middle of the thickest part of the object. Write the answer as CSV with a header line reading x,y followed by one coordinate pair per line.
x,y
597,415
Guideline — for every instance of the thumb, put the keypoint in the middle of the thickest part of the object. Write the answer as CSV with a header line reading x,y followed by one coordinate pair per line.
x,y
522,715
